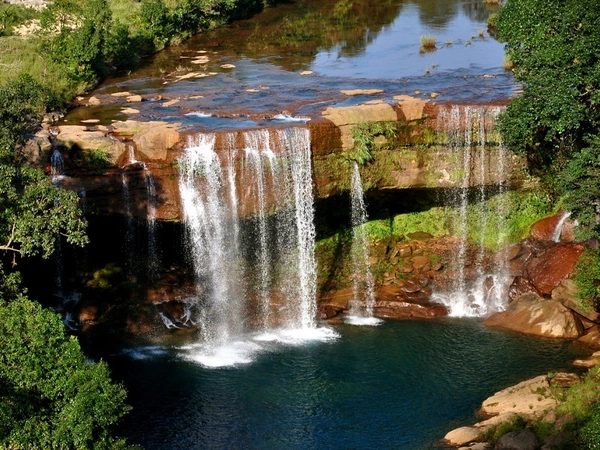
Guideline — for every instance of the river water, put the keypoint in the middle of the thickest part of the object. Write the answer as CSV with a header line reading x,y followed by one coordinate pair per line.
x,y
401,385
297,57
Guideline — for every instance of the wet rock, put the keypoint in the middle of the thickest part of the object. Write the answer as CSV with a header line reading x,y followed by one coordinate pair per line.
x,y
548,270
567,293
520,286
134,99
411,286
405,251
591,339
530,398
545,229
517,440
419,262
327,312
532,314
590,362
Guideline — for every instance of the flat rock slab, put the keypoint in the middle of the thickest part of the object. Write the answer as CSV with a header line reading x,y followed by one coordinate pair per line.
x,y
529,398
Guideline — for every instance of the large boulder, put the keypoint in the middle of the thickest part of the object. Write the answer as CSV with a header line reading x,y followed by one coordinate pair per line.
x,y
550,268
530,398
549,228
532,314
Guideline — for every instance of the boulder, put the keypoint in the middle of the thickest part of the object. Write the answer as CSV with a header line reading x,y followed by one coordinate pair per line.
x,y
549,269
517,440
520,286
463,435
532,314
567,293
549,228
530,398
591,339
590,362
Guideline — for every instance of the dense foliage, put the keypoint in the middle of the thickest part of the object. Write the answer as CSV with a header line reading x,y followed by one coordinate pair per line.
x,y
50,395
554,46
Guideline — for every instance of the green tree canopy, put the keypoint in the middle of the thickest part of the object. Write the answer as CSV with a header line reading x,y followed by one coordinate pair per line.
x,y
555,47
51,396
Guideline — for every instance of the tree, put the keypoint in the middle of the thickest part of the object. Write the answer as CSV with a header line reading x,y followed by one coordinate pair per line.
x,y
33,212
555,48
50,395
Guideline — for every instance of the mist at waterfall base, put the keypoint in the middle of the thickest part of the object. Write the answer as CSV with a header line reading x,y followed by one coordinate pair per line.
x,y
400,385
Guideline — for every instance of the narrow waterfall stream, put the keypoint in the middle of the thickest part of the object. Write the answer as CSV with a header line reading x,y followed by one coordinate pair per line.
x,y
254,255
363,283
479,288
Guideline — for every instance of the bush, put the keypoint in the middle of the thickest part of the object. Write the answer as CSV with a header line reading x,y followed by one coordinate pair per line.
x,y
587,278
589,434
50,395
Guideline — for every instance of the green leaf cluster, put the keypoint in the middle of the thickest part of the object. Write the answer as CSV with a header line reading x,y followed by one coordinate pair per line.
x,y
51,396
365,136
555,122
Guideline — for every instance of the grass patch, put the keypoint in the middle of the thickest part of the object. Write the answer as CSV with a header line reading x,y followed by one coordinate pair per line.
x,y
587,278
428,43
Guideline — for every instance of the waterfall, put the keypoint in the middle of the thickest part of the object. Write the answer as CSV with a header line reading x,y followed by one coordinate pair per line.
x,y
152,202
363,283
249,221
57,166
129,225
478,287
559,226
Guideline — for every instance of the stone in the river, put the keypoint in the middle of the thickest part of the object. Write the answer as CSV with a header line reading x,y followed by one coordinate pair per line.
x,y
532,314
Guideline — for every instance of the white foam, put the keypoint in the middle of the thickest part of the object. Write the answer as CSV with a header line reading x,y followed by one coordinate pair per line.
x,y
199,114
288,118
230,354
299,336
363,321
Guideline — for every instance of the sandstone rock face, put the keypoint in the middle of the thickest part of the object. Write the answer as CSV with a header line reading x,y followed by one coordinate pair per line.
x,y
529,398
345,118
557,263
532,314
87,139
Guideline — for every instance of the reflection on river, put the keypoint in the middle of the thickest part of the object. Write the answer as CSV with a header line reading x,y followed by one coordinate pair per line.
x,y
297,56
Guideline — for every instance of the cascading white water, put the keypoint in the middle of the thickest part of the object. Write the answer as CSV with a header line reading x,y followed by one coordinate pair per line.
x,y
129,225
242,288
363,283
257,152
152,202
559,226
481,292
57,166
